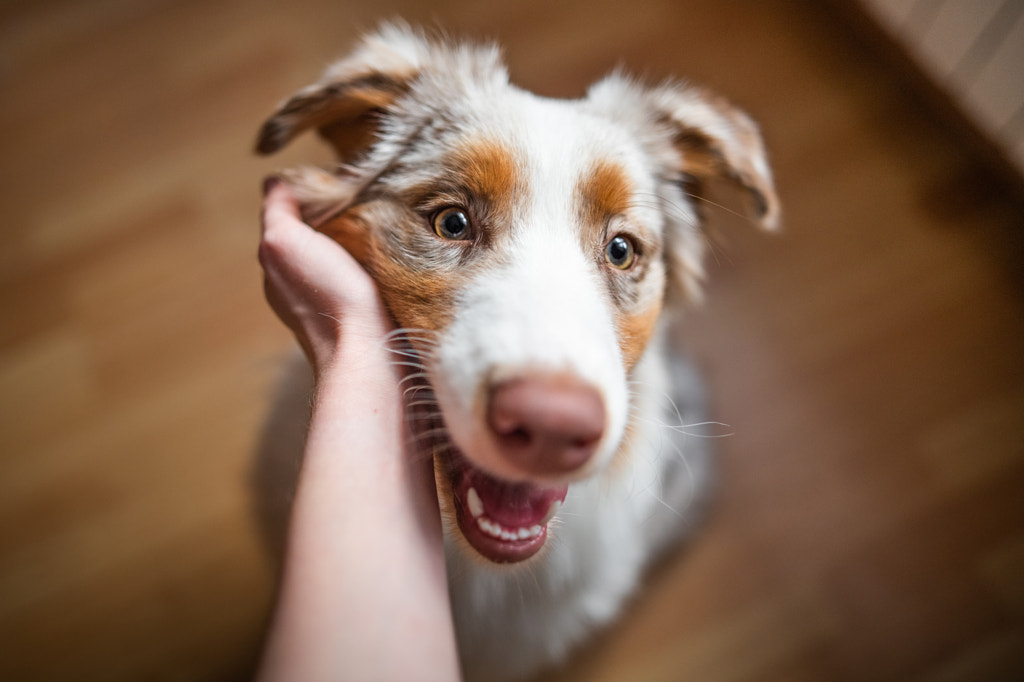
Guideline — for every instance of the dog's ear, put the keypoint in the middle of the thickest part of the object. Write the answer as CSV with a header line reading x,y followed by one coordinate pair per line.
x,y
712,139
716,140
345,105
692,137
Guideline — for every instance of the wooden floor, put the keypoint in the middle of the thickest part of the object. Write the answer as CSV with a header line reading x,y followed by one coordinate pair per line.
x,y
870,360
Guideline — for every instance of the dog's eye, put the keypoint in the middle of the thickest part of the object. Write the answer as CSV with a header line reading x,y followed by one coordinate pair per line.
x,y
452,223
620,252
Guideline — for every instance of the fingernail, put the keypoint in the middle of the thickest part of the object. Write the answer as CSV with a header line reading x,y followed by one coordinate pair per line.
x,y
269,183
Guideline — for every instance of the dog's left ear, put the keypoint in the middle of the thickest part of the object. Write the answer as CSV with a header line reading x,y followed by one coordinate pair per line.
x,y
714,139
692,137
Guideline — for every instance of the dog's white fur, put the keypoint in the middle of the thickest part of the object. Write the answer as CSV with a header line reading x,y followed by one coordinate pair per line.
x,y
543,302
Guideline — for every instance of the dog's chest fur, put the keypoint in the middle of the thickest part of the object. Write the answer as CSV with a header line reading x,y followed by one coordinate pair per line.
x,y
533,251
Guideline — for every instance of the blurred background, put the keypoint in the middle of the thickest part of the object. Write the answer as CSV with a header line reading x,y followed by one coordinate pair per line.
x,y
869,523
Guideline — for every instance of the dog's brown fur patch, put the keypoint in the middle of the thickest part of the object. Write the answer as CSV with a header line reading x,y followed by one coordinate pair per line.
x,y
352,233
634,331
603,193
489,171
417,299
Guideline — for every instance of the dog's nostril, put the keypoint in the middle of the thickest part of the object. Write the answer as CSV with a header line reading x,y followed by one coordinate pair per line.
x,y
520,435
546,424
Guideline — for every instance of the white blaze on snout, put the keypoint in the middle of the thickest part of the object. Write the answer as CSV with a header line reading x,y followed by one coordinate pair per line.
x,y
543,311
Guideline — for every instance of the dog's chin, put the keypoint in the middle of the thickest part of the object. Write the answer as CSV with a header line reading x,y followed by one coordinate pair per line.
x,y
502,521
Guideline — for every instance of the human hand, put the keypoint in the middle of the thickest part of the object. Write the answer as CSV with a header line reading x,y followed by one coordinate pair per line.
x,y
316,287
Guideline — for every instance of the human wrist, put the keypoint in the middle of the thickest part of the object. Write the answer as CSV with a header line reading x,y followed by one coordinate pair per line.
x,y
351,361
356,335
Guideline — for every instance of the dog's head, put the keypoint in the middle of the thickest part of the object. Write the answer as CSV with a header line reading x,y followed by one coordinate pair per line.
x,y
527,246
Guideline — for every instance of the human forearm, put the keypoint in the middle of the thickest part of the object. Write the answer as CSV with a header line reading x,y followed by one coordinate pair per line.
x,y
364,590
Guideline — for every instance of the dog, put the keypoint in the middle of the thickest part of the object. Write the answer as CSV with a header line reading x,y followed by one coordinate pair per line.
x,y
535,253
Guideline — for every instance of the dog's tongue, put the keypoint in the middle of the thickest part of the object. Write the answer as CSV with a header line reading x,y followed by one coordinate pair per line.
x,y
514,505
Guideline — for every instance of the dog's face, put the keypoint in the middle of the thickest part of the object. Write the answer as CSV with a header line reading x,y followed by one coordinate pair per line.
x,y
526,245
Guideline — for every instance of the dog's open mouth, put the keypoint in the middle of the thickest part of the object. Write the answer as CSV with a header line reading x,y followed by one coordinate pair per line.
x,y
505,522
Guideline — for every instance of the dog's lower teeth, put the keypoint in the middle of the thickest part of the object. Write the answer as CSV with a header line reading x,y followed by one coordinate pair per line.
x,y
495,530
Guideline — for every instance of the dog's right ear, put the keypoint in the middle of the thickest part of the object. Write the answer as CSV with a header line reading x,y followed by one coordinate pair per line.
x,y
345,105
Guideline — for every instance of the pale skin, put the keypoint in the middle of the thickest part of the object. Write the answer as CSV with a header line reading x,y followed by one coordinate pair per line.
x,y
364,594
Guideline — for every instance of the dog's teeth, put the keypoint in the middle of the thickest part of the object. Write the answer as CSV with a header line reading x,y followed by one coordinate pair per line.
x,y
555,506
476,506
490,527
497,531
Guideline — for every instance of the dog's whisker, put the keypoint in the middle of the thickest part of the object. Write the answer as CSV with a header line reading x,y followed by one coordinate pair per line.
x,y
721,207
671,208
656,486
408,352
680,424
688,429
424,407
424,339
409,363
408,331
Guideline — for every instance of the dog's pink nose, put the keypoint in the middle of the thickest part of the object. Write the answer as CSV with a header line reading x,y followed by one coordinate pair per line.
x,y
546,424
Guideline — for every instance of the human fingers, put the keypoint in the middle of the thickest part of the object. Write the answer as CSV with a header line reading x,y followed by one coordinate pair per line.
x,y
279,204
305,255
311,282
